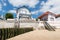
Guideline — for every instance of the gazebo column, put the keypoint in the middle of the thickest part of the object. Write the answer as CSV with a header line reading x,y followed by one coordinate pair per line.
x,y
18,21
18,17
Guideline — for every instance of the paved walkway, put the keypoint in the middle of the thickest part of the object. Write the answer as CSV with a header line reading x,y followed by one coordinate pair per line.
x,y
39,35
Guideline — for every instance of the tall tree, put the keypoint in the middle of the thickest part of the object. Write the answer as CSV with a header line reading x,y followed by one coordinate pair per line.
x,y
9,15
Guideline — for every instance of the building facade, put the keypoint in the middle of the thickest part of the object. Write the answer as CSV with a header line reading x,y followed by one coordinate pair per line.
x,y
49,16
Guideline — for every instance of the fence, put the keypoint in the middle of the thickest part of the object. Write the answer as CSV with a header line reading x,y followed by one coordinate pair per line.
x,y
11,24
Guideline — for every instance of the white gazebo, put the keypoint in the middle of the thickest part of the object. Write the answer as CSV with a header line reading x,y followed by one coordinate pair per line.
x,y
23,13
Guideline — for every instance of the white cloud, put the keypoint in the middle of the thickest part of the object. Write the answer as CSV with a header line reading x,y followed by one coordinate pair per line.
x,y
12,11
3,10
30,3
47,6
35,12
0,6
3,2
42,3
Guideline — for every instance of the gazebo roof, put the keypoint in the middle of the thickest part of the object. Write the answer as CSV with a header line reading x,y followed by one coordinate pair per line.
x,y
23,7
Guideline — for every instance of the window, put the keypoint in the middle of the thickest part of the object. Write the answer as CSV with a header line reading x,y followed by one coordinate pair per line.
x,y
51,19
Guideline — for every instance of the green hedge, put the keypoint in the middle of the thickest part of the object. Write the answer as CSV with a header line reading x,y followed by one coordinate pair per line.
x,y
11,32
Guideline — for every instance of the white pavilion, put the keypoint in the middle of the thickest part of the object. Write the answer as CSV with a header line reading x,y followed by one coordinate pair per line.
x,y
23,14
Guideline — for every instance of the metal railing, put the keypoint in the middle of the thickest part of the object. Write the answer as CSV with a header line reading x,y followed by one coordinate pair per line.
x,y
48,26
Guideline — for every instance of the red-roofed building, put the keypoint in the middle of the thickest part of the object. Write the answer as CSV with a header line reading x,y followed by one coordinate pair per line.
x,y
57,15
47,16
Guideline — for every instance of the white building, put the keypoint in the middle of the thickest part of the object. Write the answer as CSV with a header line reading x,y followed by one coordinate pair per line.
x,y
58,17
49,16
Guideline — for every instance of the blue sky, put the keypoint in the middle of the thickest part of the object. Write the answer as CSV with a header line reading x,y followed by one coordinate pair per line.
x,y
37,7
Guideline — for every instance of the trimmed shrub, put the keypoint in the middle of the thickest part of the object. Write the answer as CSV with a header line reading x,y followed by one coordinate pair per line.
x,y
11,32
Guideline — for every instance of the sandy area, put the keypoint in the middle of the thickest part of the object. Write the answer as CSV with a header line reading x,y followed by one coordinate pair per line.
x,y
39,35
